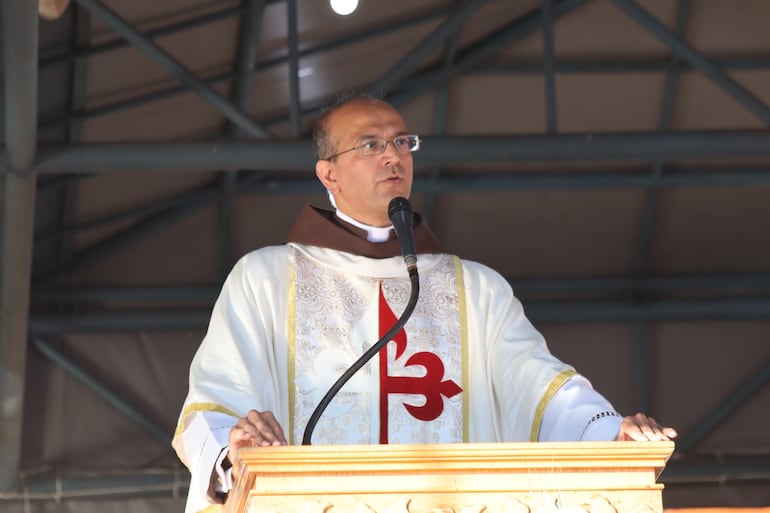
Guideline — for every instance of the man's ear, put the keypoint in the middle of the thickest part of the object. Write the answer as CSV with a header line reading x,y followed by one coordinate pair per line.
x,y
325,173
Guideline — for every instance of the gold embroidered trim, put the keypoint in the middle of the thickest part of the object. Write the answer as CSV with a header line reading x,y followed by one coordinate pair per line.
x,y
462,309
553,387
202,407
292,345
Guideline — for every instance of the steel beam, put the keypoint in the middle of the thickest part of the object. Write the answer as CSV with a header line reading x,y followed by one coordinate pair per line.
x,y
650,213
476,54
476,181
249,36
724,409
20,52
160,214
716,284
567,312
695,59
121,321
20,56
665,123
195,156
641,366
548,67
508,181
18,203
718,474
81,116
86,52
539,312
138,231
173,66
175,482
724,284
293,44
413,57
439,124
630,64
291,155
105,393
102,485
172,212
146,209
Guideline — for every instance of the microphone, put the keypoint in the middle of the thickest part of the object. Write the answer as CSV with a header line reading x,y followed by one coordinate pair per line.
x,y
400,214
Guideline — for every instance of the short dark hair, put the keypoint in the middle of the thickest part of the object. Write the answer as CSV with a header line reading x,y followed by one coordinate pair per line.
x,y
323,146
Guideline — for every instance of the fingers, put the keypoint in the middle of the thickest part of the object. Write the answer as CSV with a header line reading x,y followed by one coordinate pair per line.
x,y
642,428
258,429
670,432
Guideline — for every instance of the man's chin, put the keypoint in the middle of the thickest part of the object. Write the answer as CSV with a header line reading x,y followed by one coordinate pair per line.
x,y
396,189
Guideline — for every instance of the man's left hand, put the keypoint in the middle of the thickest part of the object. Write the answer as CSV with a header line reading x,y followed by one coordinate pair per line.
x,y
641,428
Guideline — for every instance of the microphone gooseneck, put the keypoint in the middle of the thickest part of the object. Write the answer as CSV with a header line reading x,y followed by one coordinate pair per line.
x,y
400,214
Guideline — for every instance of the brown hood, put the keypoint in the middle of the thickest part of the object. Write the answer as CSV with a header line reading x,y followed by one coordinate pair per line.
x,y
319,227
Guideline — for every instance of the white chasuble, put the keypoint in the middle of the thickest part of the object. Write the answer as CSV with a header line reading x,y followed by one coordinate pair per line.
x,y
412,390
467,367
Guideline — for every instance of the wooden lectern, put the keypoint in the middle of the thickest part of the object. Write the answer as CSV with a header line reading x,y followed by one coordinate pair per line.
x,y
584,477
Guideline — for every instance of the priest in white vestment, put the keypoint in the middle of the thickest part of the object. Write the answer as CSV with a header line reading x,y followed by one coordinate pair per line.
x,y
466,367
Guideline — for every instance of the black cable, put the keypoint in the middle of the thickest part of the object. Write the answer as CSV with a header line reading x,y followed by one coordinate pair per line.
x,y
415,279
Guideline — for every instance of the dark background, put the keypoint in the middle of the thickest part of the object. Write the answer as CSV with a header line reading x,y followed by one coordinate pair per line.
x,y
609,157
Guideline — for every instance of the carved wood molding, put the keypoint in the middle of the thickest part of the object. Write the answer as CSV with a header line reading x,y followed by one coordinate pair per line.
x,y
586,477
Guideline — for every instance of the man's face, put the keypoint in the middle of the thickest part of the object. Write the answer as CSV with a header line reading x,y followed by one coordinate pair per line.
x,y
364,186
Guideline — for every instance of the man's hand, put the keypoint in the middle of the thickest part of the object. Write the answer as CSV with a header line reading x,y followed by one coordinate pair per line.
x,y
256,429
642,428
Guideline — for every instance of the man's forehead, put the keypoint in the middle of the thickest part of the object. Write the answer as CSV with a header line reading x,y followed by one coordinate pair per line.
x,y
360,119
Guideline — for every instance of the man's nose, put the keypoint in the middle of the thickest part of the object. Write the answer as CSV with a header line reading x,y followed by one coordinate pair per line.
x,y
390,156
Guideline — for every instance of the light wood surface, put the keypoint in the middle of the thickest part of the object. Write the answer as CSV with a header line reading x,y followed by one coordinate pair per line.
x,y
585,477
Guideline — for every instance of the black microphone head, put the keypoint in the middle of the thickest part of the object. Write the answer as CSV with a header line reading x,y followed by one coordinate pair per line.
x,y
400,214
398,204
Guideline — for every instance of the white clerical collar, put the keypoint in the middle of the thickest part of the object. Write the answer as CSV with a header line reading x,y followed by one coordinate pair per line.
x,y
373,233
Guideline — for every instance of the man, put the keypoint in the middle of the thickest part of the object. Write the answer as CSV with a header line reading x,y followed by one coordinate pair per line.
x,y
468,365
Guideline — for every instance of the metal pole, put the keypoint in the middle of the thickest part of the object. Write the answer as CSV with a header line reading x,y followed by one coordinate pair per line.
x,y
296,155
649,216
20,51
716,284
548,65
539,312
293,44
249,34
439,125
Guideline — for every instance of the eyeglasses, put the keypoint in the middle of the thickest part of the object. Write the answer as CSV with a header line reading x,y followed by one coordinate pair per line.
x,y
371,147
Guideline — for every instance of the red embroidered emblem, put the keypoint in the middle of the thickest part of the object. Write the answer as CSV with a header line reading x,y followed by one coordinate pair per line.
x,y
432,385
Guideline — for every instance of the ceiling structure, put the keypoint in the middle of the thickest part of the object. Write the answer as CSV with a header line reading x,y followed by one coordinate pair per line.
x,y
611,158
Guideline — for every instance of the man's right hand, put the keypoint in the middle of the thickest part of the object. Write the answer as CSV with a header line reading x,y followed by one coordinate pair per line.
x,y
256,429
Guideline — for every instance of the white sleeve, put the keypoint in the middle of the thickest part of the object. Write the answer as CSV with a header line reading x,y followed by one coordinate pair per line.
x,y
578,413
204,439
224,481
